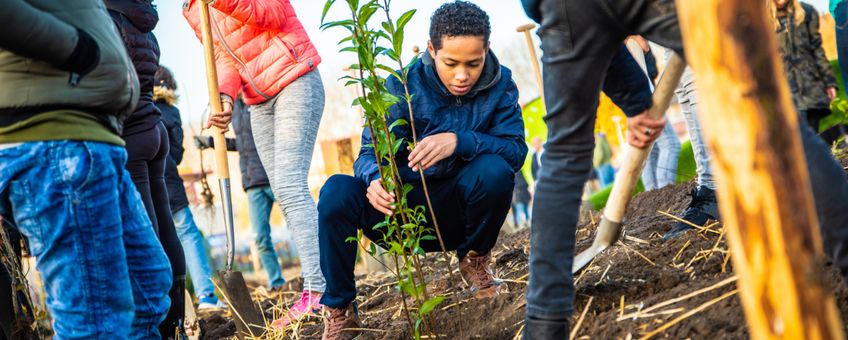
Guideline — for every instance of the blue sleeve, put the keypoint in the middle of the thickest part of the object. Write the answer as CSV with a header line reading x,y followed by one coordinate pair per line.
x,y
504,137
627,85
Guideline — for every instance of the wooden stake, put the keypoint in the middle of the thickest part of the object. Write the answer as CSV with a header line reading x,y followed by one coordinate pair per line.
x,y
751,128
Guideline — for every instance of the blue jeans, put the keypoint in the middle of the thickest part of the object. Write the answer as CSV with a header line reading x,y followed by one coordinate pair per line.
x,y
260,201
105,273
661,168
520,213
606,174
195,252
840,16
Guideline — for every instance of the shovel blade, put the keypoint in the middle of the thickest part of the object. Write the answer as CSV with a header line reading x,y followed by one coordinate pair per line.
x,y
248,318
608,234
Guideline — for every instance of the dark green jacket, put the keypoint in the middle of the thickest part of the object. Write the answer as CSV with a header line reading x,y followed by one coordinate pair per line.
x,y
804,60
38,34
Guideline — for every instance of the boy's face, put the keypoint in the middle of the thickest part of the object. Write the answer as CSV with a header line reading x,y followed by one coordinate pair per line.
x,y
459,62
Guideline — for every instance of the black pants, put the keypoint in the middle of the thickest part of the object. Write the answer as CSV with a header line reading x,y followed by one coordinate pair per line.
x,y
814,118
579,39
146,154
470,208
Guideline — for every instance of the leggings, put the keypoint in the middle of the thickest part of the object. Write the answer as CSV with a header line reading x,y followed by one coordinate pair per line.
x,y
285,129
146,154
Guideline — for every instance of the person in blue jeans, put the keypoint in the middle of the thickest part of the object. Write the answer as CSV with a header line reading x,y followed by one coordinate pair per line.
x,y
661,167
63,182
197,260
579,55
839,10
471,145
260,198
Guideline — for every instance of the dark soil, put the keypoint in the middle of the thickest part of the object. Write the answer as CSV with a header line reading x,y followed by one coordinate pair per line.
x,y
665,270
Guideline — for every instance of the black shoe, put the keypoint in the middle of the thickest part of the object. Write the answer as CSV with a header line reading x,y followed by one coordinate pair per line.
x,y
540,329
702,209
172,328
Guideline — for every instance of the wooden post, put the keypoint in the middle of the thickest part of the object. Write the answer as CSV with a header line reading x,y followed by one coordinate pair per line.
x,y
751,127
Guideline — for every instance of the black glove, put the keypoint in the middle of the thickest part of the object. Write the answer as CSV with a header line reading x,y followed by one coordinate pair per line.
x,y
204,142
84,58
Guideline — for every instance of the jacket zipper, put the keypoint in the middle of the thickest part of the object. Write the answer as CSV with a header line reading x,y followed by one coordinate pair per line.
x,y
237,59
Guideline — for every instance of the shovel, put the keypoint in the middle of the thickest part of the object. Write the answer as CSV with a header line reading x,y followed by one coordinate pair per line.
x,y
248,319
609,229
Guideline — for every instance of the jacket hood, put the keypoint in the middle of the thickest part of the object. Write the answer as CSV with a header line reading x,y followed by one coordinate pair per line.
x,y
489,78
141,13
165,95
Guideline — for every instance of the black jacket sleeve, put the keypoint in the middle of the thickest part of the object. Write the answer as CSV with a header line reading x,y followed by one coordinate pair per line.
x,y
627,85
32,33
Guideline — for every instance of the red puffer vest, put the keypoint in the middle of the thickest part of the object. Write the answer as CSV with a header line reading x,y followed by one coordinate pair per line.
x,y
264,46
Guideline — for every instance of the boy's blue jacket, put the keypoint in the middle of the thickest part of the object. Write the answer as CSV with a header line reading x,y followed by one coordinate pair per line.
x,y
486,121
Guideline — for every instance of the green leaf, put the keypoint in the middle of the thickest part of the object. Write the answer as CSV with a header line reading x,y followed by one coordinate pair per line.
x,y
404,19
352,49
332,24
396,123
388,27
428,238
372,249
407,188
392,55
390,70
397,145
366,11
352,239
431,304
390,98
327,6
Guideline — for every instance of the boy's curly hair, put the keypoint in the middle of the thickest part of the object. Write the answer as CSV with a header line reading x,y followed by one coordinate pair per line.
x,y
459,19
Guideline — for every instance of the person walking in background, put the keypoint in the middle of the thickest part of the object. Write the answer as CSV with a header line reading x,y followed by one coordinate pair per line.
x,y
260,197
703,206
197,260
661,166
839,10
811,78
147,143
536,164
66,83
520,201
601,160
263,51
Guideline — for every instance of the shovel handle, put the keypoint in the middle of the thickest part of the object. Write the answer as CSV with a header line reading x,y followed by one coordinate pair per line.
x,y
222,168
634,158
534,59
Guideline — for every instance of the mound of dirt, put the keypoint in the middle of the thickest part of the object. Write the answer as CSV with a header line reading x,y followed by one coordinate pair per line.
x,y
641,285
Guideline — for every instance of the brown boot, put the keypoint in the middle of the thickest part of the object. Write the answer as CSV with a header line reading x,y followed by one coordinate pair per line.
x,y
339,323
477,275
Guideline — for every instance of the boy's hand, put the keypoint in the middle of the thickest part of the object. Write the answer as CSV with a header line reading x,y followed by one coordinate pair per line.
x,y
379,198
221,119
642,130
431,150
831,93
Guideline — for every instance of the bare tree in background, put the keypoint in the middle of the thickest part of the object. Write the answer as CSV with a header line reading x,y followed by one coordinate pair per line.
x,y
516,57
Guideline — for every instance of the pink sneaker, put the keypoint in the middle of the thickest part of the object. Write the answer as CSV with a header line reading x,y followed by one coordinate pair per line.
x,y
308,304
